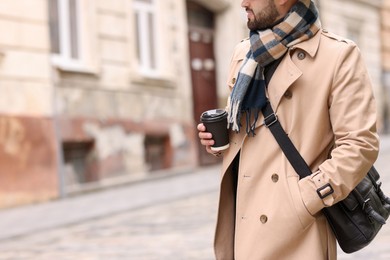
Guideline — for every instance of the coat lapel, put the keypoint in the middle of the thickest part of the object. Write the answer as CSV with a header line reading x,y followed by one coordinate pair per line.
x,y
285,75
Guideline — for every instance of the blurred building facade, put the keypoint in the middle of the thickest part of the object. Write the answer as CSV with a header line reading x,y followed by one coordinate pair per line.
x,y
28,149
96,90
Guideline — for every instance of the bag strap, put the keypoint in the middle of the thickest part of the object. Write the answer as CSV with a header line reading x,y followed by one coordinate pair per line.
x,y
271,121
294,157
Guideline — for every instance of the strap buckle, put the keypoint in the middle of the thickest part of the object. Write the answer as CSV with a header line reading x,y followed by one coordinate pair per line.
x,y
327,188
270,120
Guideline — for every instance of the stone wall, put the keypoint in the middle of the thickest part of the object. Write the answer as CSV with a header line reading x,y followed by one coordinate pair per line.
x,y
28,147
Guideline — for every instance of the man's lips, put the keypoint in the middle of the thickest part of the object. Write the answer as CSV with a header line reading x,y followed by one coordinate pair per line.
x,y
249,13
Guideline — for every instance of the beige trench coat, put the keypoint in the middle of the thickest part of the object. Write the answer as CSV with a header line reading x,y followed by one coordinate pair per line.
x,y
322,95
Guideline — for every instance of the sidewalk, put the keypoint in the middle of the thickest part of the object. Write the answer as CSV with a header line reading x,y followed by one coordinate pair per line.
x,y
29,219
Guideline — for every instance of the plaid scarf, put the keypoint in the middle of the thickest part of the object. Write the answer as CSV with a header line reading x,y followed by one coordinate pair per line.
x,y
248,95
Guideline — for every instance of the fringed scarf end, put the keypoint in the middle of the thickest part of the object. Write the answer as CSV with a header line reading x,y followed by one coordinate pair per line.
x,y
250,127
234,116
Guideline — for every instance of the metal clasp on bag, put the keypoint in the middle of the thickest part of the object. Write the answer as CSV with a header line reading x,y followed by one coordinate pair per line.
x,y
365,203
270,120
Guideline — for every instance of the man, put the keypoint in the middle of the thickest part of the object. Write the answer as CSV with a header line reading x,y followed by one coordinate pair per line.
x,y
321,93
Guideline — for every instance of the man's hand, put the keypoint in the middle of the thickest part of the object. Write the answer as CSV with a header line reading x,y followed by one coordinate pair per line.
x,y
205,138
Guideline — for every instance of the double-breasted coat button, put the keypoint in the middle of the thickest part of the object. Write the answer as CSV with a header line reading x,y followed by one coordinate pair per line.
x,y
288,94
233,80
301,55
263,219
275,177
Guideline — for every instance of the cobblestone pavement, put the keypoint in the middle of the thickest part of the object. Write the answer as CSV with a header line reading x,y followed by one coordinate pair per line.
x,y
177,230
180,228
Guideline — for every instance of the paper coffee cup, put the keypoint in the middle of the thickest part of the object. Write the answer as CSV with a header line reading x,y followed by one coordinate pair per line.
x,y
215,121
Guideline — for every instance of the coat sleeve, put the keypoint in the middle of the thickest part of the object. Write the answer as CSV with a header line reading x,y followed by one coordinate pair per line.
x,y
352,113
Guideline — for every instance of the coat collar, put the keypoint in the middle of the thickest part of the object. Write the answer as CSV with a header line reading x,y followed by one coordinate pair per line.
x,y
310,46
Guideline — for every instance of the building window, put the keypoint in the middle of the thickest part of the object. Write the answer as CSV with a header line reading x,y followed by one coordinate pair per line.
x,y
158,154
146,40
64,20
78,164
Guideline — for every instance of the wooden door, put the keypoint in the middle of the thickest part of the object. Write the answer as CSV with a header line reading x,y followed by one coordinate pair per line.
x,y
202,64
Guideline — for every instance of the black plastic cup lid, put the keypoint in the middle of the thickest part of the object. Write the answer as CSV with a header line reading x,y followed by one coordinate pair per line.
x,y
213,114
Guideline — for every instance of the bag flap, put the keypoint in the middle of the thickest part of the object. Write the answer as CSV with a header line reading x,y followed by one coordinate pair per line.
x,y
364,188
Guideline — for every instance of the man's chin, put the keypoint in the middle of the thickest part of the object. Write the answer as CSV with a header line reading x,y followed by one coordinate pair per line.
x,y
251,26
255,26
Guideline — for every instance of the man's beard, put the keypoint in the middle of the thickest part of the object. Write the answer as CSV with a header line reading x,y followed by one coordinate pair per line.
x,y
265,19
